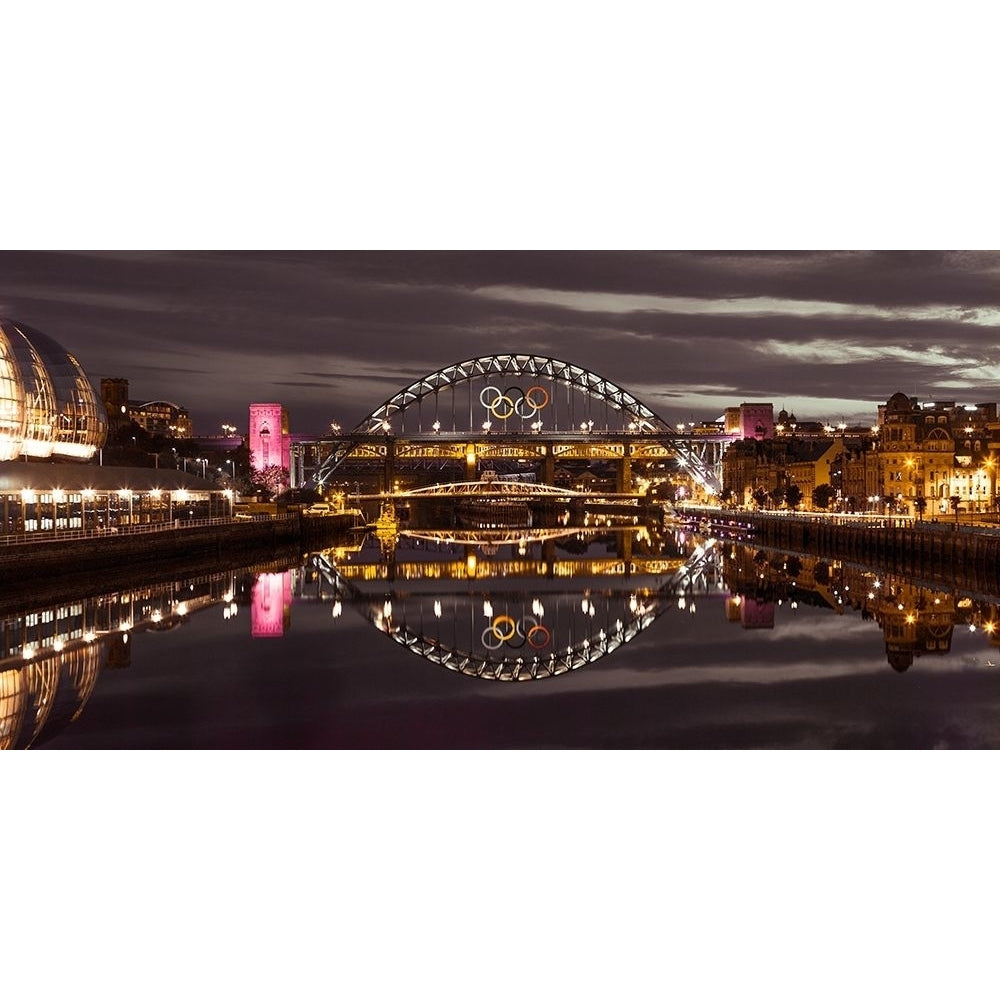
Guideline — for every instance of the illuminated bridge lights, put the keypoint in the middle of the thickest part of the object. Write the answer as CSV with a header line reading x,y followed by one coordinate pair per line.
x,y
515,407
515,643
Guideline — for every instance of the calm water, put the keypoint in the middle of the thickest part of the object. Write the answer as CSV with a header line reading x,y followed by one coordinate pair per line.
x,y
593,638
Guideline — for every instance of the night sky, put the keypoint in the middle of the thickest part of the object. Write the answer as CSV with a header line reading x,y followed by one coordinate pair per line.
x,y
828,335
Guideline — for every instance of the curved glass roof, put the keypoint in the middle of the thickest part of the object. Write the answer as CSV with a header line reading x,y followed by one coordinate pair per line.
x,y
47,405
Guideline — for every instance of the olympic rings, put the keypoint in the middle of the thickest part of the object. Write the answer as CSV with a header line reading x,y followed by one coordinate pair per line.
x,y
546,637
504,630
504,405
487,639
532,403
507,620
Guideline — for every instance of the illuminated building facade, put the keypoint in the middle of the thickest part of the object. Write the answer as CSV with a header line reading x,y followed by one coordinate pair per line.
x,y
48,408
750,420
53,497
156,416
270,608
269,440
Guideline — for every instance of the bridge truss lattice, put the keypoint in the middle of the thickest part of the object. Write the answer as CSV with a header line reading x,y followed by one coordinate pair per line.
x,y
637,418
582,652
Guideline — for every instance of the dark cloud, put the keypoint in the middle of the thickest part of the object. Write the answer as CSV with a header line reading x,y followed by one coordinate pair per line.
x,y
340,331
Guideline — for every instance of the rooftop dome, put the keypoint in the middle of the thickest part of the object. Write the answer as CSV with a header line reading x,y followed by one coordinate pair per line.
x,y
899,402
47,405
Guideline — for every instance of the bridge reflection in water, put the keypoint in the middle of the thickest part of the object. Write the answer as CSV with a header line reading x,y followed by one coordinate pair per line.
x,y
501,605
507,608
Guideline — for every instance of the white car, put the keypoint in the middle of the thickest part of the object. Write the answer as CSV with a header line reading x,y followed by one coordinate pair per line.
x,y
320,508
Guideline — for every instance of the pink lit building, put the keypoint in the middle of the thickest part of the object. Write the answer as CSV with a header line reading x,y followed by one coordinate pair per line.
x,y
750,420
756,614
269,440
271,604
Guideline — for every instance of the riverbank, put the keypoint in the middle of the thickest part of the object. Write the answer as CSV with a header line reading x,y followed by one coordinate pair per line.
x,y
57,566
930,550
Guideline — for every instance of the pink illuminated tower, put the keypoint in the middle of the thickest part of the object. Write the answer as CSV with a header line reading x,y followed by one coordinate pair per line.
x,y
271,603
269,439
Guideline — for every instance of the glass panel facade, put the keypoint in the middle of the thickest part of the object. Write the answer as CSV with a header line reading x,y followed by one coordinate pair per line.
x,y
11,402
47,405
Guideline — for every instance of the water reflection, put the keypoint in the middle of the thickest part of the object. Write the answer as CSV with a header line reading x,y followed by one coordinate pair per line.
x,y
917,618
497,606
517,607
50,657
514,626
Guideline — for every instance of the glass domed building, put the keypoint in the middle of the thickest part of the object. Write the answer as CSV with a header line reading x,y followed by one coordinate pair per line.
x,y
48,407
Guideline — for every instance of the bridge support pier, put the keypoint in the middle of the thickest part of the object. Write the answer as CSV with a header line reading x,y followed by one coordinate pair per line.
x,y
389,466
624,484
549,467
549,558
625,549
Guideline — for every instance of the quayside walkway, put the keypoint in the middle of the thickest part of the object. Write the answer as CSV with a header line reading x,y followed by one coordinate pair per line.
x,y
82,551
937,551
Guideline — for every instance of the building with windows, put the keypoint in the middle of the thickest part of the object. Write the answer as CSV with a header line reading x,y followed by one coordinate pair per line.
x,y
750,420
919,458
48,408
157,416
48,498
269,440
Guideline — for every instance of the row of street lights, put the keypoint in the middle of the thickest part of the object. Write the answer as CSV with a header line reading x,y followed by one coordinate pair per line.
x,y
587,426
31,498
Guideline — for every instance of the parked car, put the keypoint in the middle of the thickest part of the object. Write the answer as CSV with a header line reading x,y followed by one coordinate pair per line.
x,y
320,509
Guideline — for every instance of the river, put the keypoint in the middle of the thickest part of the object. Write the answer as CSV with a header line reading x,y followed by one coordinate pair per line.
x,y
606,636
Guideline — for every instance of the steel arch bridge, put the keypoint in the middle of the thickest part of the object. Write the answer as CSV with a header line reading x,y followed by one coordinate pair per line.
x,y
535,665
524,410
515,366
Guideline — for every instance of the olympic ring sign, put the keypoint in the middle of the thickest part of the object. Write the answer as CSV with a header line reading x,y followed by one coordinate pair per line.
x,y
505,631
514,402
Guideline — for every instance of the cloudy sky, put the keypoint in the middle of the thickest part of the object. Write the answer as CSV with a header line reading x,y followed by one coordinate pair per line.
x,y
332,335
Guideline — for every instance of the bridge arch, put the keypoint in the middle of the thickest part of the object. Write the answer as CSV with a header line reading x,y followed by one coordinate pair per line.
x,y
539,653
516,366
519,409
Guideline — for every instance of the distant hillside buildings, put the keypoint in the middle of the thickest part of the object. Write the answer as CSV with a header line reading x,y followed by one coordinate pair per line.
x,y
918,457
153,416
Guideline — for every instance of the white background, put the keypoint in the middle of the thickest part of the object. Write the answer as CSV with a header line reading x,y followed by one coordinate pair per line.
x,y
459,125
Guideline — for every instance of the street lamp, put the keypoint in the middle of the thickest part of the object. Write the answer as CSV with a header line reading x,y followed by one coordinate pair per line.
x,y
127,495
27,496
58,496
85,495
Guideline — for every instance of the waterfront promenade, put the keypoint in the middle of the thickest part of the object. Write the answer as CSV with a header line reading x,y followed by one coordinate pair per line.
x,y
53,562
933,550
